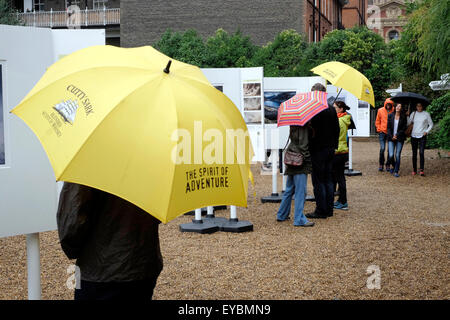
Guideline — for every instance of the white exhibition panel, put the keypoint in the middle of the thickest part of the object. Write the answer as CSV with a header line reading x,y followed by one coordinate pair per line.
x,y
28,191
66,41
276,138
360,111
231,82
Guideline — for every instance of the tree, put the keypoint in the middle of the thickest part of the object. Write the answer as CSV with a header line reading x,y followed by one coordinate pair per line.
x,y
227,51
187,47
426,37
8,14
281,57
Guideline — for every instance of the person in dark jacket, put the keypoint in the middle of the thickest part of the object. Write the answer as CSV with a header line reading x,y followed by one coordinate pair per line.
x,y
396,127
116,244
325,128
297,178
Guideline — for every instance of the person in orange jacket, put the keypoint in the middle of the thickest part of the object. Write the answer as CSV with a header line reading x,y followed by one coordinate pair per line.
x,y
381,126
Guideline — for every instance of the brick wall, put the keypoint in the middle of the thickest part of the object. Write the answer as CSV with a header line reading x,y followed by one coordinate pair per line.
x,y
143,22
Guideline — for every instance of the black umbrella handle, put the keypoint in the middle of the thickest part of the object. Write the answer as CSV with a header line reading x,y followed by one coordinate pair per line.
x,y
337,96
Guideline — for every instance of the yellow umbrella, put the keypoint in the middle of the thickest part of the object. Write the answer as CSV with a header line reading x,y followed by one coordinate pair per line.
x,y
131,123
346,77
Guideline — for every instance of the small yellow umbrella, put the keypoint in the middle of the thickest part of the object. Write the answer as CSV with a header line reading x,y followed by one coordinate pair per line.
x,y
135,123
348,78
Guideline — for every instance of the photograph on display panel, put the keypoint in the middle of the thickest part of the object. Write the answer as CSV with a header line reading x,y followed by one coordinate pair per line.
x,y
252,89
252,104
272,101
2,124
252,117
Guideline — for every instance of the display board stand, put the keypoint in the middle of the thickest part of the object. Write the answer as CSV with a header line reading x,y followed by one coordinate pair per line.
x,y
211,224
350,172
33,266
198,225
234,225
274,197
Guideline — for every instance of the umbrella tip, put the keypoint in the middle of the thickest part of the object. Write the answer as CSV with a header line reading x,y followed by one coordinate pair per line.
x,y
167,69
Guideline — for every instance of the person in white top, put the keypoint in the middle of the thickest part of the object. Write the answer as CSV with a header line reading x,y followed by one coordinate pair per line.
x,y
422,126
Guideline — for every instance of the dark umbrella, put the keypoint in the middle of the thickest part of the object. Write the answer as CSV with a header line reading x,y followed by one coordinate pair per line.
x,y
410,99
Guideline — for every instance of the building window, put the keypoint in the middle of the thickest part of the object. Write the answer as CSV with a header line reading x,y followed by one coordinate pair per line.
x,y
99,4
38,5
393,35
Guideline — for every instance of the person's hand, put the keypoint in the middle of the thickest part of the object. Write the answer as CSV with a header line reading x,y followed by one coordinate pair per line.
x,y
394,137
425,133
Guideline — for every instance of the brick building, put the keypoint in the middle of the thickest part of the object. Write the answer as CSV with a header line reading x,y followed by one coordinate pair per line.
x,y
56,14
143,22
354,13
387,18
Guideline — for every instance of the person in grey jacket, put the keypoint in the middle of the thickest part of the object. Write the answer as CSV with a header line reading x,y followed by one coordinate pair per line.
x,y
116,244
421,127
297,178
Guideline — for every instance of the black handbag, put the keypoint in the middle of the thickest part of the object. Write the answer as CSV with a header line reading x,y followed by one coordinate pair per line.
x,y
293,158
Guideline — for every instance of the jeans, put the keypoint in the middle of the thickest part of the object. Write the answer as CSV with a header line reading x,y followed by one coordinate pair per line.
x,y
383,138
418,143
339,176
395,146
295,184
322,179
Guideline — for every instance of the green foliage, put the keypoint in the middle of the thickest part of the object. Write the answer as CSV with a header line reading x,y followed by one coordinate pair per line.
x,y
281,57
426,37
226,51
8,14
439,107
186,47
444,131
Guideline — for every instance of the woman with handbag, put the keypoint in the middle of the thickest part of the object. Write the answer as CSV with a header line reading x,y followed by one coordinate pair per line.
x,y
421,124
298,164
397,125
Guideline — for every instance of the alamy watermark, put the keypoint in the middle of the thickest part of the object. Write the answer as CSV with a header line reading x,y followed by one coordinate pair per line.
x,y
74,280
374,280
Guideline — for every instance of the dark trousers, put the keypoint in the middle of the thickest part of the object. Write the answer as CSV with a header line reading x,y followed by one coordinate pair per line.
x,y
382,137
322,180
133,290
418,143
339,176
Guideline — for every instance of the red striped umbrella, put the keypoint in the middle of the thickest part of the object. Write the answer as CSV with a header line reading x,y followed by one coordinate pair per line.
x,y
301,108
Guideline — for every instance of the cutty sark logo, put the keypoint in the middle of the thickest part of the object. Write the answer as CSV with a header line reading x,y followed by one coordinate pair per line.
x,y
67,109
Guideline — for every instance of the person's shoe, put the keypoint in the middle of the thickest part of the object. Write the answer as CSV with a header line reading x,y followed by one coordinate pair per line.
x,y
413,173
315,216
396,175
380,168
342,206
388,168
422,174
391,171
336,203
308,224
280,220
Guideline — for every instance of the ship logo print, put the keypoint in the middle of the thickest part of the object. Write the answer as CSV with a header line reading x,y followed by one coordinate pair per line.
x,y
68,110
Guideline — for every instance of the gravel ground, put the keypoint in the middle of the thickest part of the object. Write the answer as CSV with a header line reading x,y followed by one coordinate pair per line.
x,y
399,225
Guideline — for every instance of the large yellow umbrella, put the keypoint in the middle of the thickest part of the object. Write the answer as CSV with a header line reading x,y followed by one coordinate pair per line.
x,y
348,78
131,123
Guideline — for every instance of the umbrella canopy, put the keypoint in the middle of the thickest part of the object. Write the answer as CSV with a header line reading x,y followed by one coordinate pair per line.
x,y
410,99
117,120
348,78
301,108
